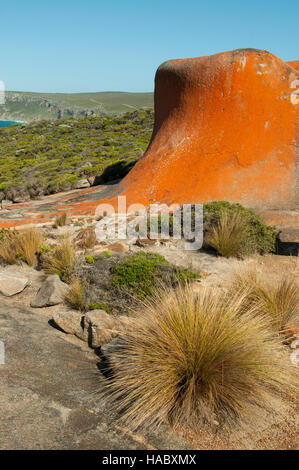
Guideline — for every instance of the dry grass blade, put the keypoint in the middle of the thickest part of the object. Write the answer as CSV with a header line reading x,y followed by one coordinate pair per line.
x,y
16,247
194,359
75,296
277,297
228,235
61,260
61,220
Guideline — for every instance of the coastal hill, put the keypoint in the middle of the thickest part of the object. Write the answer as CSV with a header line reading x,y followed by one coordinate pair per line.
x,y
26,106
49,156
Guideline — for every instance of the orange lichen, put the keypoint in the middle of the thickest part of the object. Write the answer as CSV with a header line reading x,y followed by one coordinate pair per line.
x,y
294,64
225,128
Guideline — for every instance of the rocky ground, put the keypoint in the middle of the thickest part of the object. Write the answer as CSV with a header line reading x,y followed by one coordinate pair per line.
x,y
51,381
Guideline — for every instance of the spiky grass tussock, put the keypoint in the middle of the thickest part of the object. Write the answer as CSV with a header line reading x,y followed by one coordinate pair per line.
x,y
17,247
192,359
61,260
76,296
228,235
61,220
275,297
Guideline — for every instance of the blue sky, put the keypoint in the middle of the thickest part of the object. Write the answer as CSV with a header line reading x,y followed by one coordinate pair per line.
x,y
117,45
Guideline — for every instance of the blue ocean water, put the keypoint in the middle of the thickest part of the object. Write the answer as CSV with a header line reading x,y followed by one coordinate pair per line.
x,y
7,123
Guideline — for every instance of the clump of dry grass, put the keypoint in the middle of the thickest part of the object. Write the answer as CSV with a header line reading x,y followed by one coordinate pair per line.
x,y
228,235
275,297
61,220
16,247
76,297
193,359
61,260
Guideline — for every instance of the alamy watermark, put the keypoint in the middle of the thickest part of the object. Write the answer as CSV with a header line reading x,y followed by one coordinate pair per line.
x,y
156,221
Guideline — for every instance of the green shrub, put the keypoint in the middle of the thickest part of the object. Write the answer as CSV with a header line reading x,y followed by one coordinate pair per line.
x,y
160,220
99,306
43,248
90,259
254,235
143,272
258,236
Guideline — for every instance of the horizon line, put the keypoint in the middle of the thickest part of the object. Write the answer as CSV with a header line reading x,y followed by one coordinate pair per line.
x,y
78,92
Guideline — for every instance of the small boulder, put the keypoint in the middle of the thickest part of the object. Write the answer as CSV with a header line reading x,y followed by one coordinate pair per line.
x,y
117,247
11,285
51,292
91,180
86,238
6,203
99,328
143,242
83,183
125,323
96,327
70,322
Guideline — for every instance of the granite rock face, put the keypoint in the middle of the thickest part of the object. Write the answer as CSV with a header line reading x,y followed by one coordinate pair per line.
x,y
226,128
99,328
95,327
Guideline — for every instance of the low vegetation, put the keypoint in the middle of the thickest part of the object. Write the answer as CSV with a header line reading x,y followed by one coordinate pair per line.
x,y
49,156
194,360
17,247
61,220
61,260
230,229
236,231
228,234
143,272
117,285
276,298
76,296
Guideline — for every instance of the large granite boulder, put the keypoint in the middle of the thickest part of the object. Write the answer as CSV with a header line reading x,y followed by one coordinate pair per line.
x,y
226,128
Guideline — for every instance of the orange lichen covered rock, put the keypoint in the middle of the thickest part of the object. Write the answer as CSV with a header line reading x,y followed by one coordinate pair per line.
x,y
225,128
294,64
